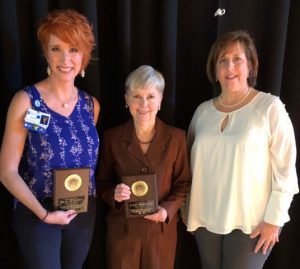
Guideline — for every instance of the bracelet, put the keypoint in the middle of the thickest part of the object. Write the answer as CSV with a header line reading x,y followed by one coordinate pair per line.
x,y
43,219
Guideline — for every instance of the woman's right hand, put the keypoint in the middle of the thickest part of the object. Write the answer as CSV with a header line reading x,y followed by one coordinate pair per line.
x,y
60,217
122,192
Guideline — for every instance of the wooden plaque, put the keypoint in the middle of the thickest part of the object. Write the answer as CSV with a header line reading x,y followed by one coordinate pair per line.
x,y
143,200
71,189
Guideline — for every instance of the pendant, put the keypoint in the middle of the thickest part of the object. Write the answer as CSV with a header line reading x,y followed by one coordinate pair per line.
x,y
65,105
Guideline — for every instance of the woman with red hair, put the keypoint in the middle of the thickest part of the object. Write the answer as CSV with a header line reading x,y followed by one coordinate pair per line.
x,y
51,125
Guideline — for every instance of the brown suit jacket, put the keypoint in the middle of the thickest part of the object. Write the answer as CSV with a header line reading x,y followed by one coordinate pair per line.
x,y
121,155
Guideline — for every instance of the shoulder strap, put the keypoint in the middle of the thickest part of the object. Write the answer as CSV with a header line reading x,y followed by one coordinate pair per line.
x,y
34,96
88,102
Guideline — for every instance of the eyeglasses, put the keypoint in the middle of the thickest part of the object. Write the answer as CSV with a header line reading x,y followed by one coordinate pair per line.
x,y
225,62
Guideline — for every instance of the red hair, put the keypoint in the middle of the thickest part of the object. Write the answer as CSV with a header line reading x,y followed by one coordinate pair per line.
x,y
72,28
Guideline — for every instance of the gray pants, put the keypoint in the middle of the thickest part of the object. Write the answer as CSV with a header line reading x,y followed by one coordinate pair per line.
x,y
230,251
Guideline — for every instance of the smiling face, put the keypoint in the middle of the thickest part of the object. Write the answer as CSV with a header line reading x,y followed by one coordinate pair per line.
x,y
143,104
232,68
65,60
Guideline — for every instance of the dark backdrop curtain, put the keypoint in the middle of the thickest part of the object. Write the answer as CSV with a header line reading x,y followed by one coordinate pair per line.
x,y
174,36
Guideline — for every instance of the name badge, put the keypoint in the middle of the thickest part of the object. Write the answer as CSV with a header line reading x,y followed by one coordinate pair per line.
x,y
36,120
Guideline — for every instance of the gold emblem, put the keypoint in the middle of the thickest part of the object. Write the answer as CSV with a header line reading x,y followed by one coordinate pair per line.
x,y
73,182
139,188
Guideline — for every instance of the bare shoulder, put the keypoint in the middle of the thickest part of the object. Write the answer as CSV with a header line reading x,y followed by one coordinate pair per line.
x,y
14,133
20,102
96,109
96,104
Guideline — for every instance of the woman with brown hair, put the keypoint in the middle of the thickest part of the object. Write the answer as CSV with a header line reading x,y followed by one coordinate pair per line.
x,y
243,153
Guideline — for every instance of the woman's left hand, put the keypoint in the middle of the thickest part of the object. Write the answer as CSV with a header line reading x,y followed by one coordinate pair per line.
x,y
160,216
269,236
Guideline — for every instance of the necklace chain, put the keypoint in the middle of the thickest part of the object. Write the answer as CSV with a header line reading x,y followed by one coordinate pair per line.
x,y
239,102
65,104
144,142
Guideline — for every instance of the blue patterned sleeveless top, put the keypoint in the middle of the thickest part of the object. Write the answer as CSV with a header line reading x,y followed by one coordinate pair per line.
x,y
69,142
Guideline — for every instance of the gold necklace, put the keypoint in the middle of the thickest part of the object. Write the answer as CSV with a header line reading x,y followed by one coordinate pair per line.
x,y
65,105
144,142
239,102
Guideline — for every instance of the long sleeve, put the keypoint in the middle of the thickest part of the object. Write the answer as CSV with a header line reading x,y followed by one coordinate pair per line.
x,y
106,178
180,181
249,167
283,158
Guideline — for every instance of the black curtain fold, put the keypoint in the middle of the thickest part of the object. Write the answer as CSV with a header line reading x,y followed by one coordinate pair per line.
x,y
169,24
196,32
174,36
267,23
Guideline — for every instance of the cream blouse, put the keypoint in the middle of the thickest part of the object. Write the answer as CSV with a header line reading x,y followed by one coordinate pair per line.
x,y
245,174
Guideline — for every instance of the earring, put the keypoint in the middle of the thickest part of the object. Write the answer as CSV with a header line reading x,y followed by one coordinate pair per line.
x,y
126,106
49,71
158,108
82,73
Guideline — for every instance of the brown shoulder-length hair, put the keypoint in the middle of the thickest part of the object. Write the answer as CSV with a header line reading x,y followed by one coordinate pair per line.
x,y
223,42
72,28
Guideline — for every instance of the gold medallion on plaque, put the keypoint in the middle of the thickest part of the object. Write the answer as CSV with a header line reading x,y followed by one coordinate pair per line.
x,y
73,182
139,188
